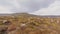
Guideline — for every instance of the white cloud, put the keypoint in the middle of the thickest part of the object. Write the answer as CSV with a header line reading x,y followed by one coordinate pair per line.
x,y
13,6
4,10
53,9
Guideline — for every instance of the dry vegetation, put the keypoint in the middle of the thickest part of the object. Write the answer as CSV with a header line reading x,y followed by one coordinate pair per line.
x,y
29,24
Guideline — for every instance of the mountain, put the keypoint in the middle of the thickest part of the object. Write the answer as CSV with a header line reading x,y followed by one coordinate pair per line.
x,y
27,14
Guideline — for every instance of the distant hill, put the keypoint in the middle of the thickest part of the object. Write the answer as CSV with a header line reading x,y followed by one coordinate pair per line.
x,y
26,14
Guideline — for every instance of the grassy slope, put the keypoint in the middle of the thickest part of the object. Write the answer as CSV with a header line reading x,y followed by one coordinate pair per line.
x,y
33,24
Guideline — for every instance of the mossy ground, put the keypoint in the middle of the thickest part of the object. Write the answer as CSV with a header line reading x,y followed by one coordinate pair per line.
x,y
25,24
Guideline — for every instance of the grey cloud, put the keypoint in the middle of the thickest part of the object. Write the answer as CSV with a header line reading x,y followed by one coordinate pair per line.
x,y
52,9
25,6
33,5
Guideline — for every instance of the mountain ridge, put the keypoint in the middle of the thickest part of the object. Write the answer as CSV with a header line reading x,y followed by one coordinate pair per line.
x,y
27,14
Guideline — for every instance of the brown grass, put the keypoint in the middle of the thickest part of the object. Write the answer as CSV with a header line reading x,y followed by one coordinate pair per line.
x,y
33,25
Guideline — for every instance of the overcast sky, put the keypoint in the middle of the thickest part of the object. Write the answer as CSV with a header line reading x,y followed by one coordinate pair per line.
x,y
37,7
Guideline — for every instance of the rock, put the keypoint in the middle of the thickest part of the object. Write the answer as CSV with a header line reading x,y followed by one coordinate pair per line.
x,y
6,22
3,30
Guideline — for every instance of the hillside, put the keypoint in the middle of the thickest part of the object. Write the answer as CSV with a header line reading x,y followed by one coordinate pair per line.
x,y
23,23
